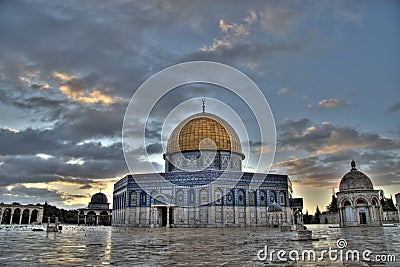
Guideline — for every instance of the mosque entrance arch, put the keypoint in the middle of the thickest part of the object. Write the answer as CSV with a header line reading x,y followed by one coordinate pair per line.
x,y
363,216
164,216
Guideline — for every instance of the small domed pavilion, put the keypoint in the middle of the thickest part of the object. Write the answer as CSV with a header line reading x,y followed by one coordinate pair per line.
x,y
358,202
98,211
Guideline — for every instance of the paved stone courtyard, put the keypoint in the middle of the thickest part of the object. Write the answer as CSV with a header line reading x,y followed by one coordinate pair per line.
x,y
120,246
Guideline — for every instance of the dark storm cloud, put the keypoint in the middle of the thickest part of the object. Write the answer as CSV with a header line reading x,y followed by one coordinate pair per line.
x,y
310,172
45,158
30,195
290,126
155,148
86,186
331,148
81,124
328,138
32,169
239,54
394,108
325,171
29,142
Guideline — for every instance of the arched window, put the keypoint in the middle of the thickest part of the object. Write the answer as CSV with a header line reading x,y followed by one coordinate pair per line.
x,y
203,196
253,197
361,202
272,197
347,203
143,198
263,198
241,198
282,198
191,197
133,199
218,196
180,196
230,198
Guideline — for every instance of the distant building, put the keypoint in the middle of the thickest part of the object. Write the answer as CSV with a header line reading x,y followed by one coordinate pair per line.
x,y
327,217
98,211
357,200
20,214
390,213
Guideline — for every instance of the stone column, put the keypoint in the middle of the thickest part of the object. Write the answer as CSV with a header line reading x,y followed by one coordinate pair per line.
x,y
247,220
211,215
85,219
20,217
78,218
12,214
370,215
168,217
148,215
356,219
152,216
39,216
236,212
97,219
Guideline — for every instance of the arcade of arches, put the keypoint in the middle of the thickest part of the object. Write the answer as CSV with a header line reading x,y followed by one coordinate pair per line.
x,y
20,214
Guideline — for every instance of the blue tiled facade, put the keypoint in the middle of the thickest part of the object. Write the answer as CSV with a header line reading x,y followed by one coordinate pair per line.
x,y
188,189
203,188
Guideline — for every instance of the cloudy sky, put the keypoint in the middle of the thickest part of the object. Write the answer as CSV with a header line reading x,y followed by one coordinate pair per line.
x,y
329,70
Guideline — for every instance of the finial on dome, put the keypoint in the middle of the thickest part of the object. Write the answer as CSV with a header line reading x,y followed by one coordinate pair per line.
x,y
353,165
204,105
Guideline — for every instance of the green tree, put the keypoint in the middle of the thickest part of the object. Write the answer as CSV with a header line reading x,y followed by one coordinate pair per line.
x,y
316,215
332,207
64,216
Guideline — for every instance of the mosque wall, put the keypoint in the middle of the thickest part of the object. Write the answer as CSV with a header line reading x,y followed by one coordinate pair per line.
x,y
209,216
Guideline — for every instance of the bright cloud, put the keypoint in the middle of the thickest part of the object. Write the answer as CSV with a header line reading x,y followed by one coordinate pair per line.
x,y
232,32
284,91
332,103
87,97
64,76
77,90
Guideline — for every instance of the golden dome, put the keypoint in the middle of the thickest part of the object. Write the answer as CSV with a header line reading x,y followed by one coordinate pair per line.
x,y
195,131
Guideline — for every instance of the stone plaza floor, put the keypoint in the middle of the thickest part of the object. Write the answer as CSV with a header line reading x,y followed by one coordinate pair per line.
x,y
123,246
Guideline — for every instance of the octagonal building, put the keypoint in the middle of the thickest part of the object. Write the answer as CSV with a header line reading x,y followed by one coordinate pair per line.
x,y
203,184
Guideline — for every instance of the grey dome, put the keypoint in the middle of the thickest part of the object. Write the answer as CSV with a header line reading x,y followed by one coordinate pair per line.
x,y
355,180
99,198
275,207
